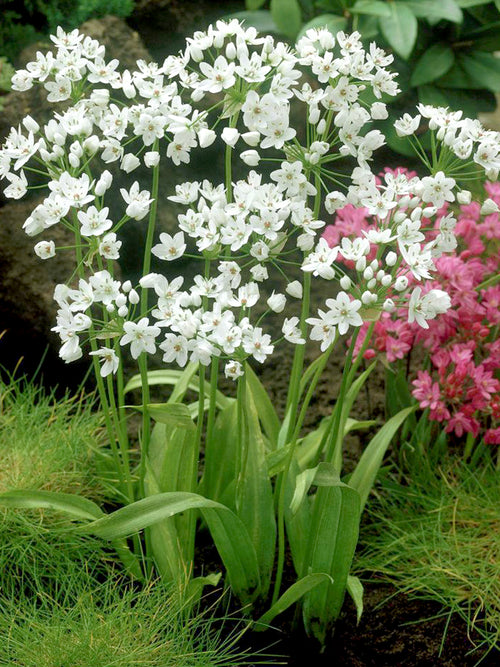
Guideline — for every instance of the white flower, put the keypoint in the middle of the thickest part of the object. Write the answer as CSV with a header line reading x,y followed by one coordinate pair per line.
x,y
291,331
421,309
109,360
407,125
257,344
233,370
93,221
344,312
45,249
18,186
138,201
171,247
323,329
141,337
437,189
109,247
175,349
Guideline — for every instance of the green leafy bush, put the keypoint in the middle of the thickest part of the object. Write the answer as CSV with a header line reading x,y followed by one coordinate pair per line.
x,y
444,49
24,24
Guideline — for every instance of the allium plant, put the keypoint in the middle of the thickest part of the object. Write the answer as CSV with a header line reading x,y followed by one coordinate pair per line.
x,y
459,385
253,488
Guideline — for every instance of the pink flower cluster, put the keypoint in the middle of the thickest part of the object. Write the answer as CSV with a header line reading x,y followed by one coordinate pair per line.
x,y
460,384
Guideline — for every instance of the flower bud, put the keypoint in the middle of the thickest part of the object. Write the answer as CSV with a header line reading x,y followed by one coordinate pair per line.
x,y
121,300
391,258
152,159
251,138
489,207
277,302
123,311
127,286
464,197
366,297
251,158
401,283
206,137
110,308
129,163
30,124
91,144
314,114
368,273
361,264
386,280
197,95
74,160
103,183
345,283
133,297
231,51
230,136
378,111
321,126
389,306
294,289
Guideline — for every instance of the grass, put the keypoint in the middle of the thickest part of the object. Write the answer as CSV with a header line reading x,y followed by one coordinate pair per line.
x,y
64,599
435,534
112,625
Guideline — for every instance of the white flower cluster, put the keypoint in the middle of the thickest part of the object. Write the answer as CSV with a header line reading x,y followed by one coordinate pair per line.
x,y
241,230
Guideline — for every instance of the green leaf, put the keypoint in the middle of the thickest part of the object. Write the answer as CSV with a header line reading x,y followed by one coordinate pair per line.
x,y
435,62
346,408
332,541
287,16
355,590
298,524
497,4
172,377
371,7
400,29
254,494
220,456
363,477
483,68
260,20
333,22
252,5
173,457
324,474
173,414
472,3
228,532
435,10
76,506
291,596
485,38
265,408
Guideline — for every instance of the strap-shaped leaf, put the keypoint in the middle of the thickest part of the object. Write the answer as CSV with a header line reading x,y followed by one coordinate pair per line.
x,y
355,590
220,457
228,532
254,494
291,596
332,541
76,506
265,408
363,477
172,377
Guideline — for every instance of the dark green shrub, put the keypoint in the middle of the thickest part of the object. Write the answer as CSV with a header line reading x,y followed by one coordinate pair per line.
x,y
443,49
26,22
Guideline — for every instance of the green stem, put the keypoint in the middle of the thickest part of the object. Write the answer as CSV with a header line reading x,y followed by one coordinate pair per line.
x,y
281,482
146,264
333,435
214,375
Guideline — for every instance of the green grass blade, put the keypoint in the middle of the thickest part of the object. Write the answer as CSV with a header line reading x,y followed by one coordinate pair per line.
x,y
363,477
291,596
76,506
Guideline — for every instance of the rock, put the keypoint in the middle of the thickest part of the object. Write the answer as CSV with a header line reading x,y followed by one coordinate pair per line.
x,y
27,308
